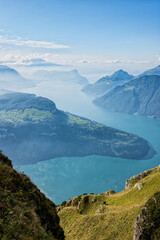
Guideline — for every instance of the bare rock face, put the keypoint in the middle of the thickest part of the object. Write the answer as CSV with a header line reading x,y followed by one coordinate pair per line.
x,y
147,224
139,185
108,193
74,202
141,175
137,177
128,184
100,210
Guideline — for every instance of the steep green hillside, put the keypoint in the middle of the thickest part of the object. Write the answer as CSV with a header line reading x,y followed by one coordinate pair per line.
x,y
33,129
25,212
111,216
140,96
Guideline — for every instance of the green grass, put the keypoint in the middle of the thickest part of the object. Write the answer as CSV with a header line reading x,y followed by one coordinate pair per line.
x,y
128,88
84,123
118,216
21,117
76,120
121,134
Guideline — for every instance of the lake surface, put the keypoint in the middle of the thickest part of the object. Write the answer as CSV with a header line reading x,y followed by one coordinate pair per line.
x,y
64,178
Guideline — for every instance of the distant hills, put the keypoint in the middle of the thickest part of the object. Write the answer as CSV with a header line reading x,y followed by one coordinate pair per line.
x,y
33,129
140,96
110,92
107,83
60,76
119,78
153,71
5,69
122,92
10,79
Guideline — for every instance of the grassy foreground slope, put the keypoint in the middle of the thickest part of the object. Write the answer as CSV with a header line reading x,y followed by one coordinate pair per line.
x,y
25,212
111,216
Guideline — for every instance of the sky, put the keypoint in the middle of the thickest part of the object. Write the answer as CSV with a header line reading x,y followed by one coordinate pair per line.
x,y
94,36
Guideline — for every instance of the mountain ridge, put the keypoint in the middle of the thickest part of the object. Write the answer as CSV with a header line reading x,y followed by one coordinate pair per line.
x,y
10,79
140,96
107,83
72,76
152,71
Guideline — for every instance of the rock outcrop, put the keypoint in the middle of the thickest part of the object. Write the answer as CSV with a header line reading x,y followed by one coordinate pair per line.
x,y
147,224
139,185
108,193
137,177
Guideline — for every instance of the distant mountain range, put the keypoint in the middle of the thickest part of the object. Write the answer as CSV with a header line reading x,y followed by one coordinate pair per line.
x,y
10,79
153,71
107,83
60,76
140,96
33,129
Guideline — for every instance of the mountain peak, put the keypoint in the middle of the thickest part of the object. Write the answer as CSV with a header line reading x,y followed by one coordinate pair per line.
x,y
139,96
120,75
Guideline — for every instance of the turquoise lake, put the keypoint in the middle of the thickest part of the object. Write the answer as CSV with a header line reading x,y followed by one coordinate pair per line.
x,y
63,178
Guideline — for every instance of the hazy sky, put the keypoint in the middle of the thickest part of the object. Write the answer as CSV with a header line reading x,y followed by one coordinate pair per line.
x,y
88,34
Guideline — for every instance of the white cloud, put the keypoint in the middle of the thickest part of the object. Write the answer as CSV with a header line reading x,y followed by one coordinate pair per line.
x,y
119,60
30,43
83,61
25,58
138,61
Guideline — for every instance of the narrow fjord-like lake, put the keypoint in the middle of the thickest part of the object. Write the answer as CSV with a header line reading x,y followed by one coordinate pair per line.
x,y
64,178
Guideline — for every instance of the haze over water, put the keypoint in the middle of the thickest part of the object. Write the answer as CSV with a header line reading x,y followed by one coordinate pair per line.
x,y
64,178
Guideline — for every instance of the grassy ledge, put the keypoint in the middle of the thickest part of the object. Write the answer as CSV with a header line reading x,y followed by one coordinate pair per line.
x,y
108,216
